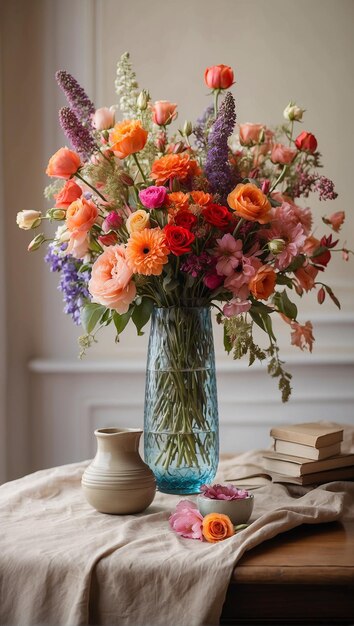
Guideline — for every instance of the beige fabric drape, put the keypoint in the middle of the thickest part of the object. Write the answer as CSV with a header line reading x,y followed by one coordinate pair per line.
x,y
61,562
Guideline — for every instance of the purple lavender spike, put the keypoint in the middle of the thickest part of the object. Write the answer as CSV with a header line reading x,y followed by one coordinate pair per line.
x,y
78,134
217,166
76,96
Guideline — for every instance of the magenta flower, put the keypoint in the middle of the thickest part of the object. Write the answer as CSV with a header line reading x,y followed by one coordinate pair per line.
x,y
153,197
187,521
223,492
229,253
112,222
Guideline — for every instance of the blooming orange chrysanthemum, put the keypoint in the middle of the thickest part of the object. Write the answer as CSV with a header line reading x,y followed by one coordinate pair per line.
x,y
147,252
201,198
179,166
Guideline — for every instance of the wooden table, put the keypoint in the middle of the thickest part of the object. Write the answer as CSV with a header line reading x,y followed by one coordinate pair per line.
x,y
304,576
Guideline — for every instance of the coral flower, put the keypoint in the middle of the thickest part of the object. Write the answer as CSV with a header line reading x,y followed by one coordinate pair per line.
x,y
250,202
63,164
217,527
219,77
68,194
335,220
302,336
179,166
163,112
127,137
147,251
111,283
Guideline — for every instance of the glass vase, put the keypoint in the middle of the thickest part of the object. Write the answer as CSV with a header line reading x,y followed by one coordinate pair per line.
x,y
181,425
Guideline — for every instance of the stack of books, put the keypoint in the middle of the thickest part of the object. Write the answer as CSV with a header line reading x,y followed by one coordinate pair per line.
x,y
307,454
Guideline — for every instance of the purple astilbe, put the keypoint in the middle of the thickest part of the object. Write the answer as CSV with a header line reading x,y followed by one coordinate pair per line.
x,y
78,134
201,128
325,188
217,166
73,284
76,96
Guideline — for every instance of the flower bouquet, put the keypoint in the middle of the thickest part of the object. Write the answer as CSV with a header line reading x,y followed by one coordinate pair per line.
x,y
162,223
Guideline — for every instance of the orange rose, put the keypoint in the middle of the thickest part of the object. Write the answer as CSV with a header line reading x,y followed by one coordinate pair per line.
x,y
250,202
63,164
216,527
263,282
174,166
127,137
81,215
219,77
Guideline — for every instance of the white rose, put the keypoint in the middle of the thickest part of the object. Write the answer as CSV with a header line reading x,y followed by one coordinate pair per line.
x,y
293,113
28,219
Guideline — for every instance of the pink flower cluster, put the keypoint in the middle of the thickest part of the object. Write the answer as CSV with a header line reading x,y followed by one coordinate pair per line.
x,y
223,492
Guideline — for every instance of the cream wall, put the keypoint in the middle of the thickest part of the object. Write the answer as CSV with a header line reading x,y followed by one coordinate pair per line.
x,y
280,50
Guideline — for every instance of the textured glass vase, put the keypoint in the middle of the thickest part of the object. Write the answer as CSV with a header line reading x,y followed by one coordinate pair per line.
x,y
181,425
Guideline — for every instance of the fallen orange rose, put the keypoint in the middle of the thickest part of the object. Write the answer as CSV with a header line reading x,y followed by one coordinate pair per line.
x,y
216,527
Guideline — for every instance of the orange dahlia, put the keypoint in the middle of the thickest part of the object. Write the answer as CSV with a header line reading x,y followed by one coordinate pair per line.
x,y
174,166
178,200
147,252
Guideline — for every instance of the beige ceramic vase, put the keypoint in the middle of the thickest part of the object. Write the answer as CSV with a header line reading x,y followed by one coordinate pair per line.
x,y
118,481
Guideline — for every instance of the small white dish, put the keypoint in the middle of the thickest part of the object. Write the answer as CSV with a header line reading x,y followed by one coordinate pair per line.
x,y
239,511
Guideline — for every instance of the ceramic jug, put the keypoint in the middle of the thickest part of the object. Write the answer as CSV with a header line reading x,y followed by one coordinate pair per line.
x,y
117,480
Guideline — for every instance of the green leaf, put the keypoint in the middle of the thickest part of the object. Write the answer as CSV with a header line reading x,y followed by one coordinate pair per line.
x,y
141,314
227,341
284,305
297,262
84,268
264,321
284,280
121,320
260,307
170,283
91,315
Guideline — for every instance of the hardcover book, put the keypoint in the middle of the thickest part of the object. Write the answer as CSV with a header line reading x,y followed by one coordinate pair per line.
x,y
310,433
340,473
297,466
307,452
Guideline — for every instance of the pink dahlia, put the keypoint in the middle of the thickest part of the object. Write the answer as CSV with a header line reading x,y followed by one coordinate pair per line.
x,y
223,492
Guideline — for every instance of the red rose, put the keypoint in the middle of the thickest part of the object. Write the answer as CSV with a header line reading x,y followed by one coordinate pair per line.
x,y
186,219
178,239
217,215
306,142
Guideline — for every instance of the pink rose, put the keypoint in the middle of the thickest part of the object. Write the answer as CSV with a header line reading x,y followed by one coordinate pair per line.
x,y
163,112
111,283
103,118
282,154
153,197
187,521
251,134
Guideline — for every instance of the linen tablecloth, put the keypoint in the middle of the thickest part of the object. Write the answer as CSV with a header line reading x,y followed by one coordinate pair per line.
x,y
62,562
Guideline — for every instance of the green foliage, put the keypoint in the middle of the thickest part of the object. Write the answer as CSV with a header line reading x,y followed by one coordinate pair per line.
x,y
284,305
106,175
91,314
51,190
275,369
141,314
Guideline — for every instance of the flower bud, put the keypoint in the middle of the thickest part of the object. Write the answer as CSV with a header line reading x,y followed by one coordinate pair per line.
x,y
108,240
28,219
293,113
178,147
143,100
112,222
56,214
306,142
163,112
103,118
36,242
276,246
219,77
321,295
187,128
126,179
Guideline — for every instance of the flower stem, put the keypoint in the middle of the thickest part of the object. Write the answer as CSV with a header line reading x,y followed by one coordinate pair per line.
x,y
91,186
139,167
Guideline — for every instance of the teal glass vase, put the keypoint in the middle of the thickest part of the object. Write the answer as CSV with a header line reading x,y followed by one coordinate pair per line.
x,y
181,424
